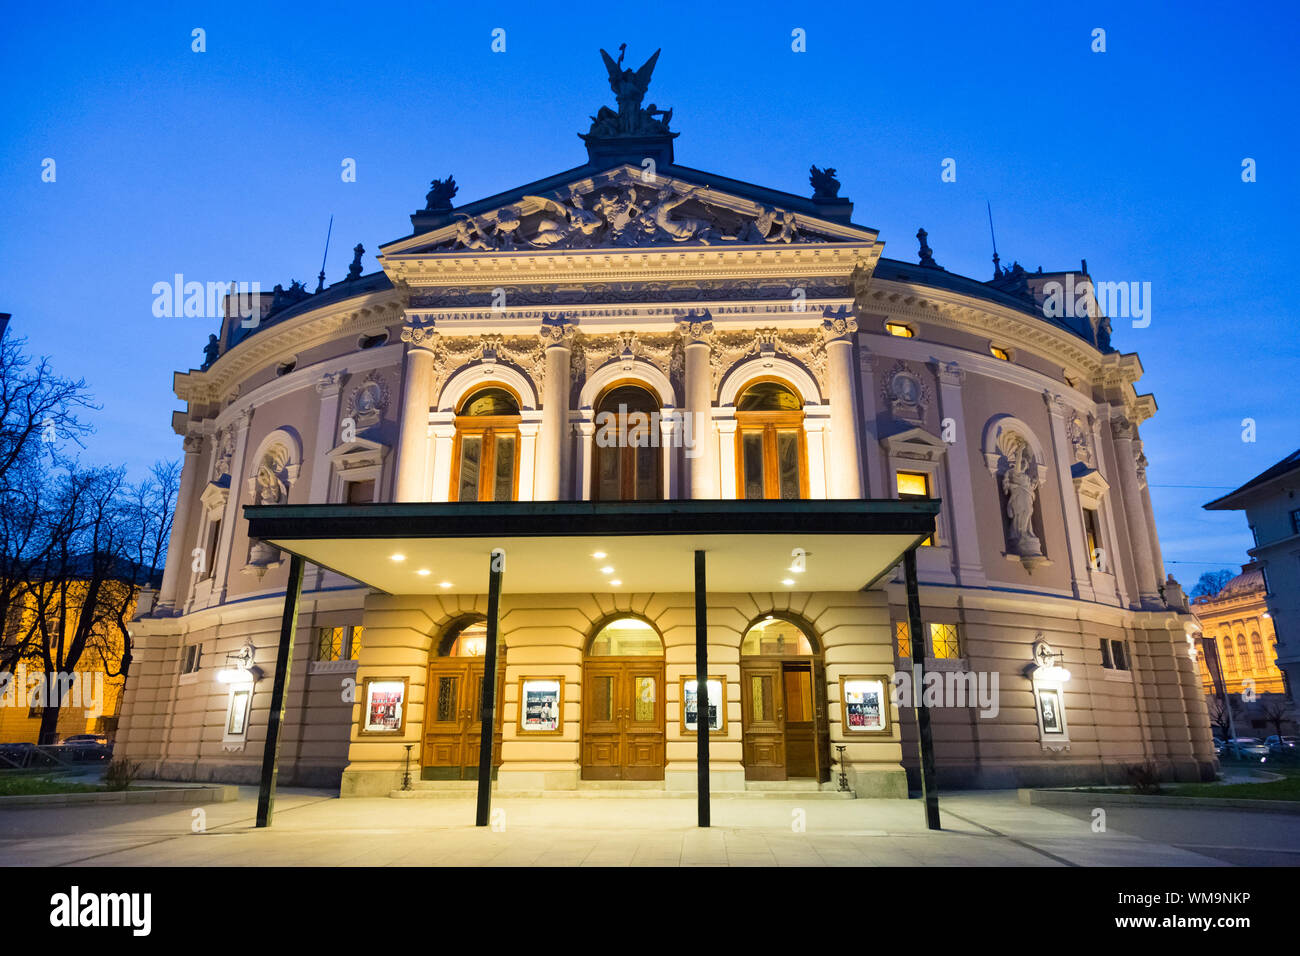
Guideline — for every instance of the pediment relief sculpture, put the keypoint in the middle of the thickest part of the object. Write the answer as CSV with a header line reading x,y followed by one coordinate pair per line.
x,y
625,211
806,348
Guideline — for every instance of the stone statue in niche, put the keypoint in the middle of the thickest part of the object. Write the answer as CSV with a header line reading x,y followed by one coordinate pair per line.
x,y
1020,485
269,486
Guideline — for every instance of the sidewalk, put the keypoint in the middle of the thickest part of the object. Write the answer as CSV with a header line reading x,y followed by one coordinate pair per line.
x,y
315,828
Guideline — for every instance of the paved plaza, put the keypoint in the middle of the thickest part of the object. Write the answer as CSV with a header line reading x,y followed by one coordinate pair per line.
x,y
315,828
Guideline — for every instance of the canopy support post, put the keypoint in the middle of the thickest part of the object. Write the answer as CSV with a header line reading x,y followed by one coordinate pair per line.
x,y
929,788
275,720
496,570
702,689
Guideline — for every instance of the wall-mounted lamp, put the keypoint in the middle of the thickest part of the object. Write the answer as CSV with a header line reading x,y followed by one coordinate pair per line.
x,y
240,668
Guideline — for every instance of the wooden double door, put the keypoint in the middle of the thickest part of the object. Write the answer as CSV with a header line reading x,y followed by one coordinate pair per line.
x,y
623,719
786,729
453,727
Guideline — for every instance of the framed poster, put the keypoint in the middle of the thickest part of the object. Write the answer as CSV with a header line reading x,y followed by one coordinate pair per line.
x,y
384,706
1049,711
864,704
237,715
541,705
691,704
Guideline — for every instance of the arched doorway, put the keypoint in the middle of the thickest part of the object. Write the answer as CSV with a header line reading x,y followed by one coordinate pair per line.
x,y
771,452
623,702
783,702
453,703
627,456
485,460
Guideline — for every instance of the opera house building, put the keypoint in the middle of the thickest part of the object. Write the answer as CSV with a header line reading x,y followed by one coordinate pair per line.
x,y
576,439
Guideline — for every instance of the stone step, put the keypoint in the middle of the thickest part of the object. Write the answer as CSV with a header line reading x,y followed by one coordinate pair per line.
x,y
449,793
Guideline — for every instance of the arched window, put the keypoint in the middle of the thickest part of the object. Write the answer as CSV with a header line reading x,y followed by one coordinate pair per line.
x,y
1243,658
776,637
467,640
626,452
770,448
1257,649
1229,656
486,458
626,637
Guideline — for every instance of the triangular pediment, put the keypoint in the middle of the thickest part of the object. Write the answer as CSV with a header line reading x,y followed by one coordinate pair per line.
x,y
916,444
628,207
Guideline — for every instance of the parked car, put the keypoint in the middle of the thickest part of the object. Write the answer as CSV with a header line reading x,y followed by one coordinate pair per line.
x,y
1248,747
87,747
1219,747
1282,745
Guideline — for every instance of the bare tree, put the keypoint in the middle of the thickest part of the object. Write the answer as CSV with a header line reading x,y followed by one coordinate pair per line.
x,y
1219,718
1276,710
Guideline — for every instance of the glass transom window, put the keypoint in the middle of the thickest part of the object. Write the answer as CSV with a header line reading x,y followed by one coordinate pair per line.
x,y
626,637
776,637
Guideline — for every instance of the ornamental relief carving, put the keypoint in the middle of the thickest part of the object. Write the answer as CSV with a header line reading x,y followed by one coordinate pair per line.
x,y
807,348
623,214
592,352
368,401
451,354
905,393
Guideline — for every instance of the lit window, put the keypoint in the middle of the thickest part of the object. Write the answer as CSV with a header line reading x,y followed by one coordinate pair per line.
x,y
1000,353
899,329
630,467
776,637
943,641
914,485
902,640
329,641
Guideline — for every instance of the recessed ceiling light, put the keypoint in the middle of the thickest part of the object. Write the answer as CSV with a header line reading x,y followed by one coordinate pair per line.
x,y
795,570
397,557
598,554
424,572
445,584
788,582
606,570
615,583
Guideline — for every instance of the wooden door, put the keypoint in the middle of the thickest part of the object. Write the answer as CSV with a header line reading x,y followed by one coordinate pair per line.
x,y
800,720
452,725
823,724
643,724
623,719
763,709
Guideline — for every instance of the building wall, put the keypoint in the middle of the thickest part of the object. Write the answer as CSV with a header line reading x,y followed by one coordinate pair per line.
x,y
1076,407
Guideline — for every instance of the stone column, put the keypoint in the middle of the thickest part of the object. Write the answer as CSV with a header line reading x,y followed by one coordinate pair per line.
x,y
668,452
1076,542
819,435
176,551
1157,558
557,341
444,438
702,469
1135,518
586,432
238,469
959,503
871,487
417,388
328,388
844,451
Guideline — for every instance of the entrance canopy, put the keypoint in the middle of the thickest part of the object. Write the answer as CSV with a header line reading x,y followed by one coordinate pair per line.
x,y
634,547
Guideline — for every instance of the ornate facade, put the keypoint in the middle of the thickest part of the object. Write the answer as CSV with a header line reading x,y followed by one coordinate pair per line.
x,y
748,343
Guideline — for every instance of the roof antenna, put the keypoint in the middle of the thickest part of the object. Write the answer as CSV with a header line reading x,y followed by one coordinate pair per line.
x,y
997,269
320,283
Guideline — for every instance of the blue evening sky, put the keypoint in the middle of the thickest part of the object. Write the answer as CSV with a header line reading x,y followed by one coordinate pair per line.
x,y
226,164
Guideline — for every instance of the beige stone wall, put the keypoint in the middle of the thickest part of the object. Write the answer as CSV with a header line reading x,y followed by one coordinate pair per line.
x,y
546,635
